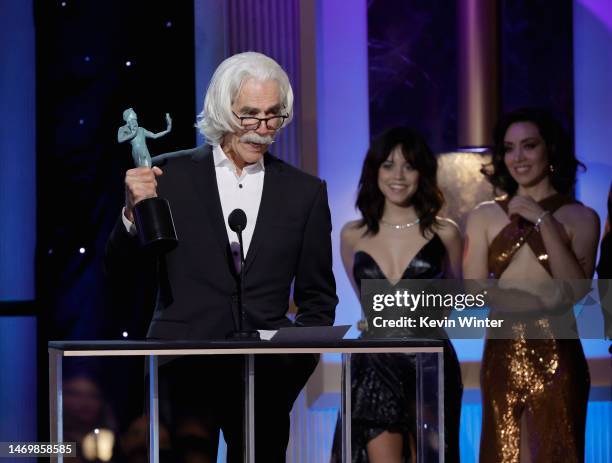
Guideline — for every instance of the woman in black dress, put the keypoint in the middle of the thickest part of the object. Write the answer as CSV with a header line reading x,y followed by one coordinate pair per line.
x,y
399,237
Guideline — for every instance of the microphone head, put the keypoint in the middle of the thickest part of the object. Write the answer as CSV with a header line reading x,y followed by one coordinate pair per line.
x,y
237,220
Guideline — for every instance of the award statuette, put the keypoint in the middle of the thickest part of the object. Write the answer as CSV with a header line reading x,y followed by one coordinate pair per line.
x,y
153,218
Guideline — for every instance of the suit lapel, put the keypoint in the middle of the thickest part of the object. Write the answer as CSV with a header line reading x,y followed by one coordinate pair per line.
x,y
268,207
205,181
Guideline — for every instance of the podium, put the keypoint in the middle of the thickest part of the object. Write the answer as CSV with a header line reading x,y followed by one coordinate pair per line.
x,y
429,377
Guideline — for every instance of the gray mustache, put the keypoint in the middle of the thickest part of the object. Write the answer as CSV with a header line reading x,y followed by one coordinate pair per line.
x,y
256,138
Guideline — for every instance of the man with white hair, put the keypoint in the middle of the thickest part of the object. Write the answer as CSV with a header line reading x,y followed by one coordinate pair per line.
x,y
286,242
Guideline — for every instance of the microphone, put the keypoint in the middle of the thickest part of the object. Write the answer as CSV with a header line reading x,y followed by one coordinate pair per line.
x,y
237,221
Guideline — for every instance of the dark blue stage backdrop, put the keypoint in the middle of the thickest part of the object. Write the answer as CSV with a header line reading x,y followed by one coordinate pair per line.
x,y
17,223
93,61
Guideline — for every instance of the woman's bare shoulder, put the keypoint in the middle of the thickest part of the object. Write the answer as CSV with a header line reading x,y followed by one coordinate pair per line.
x,y
352,231
487,207
485,212
447,228
578,217
578,212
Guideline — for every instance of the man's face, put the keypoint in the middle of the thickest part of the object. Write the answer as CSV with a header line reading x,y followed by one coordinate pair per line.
x,y
256,99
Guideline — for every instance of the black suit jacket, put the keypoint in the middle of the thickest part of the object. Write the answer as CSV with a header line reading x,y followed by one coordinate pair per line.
x,y
196,285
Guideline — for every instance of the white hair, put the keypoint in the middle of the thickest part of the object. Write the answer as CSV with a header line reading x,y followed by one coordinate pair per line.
x,y
216,119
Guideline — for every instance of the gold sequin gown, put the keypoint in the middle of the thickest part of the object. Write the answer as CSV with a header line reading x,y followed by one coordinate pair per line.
x,y
544,380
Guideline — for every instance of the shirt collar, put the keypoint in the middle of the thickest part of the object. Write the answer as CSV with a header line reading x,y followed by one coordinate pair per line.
x,y
221,159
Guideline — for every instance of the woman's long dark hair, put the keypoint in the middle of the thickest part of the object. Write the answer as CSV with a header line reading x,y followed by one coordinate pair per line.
x,y
559,147
428,198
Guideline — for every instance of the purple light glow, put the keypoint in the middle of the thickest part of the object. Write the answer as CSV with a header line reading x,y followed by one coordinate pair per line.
x,y
602,9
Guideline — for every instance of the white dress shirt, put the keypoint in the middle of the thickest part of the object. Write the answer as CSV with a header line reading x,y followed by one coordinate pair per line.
x,y
239,192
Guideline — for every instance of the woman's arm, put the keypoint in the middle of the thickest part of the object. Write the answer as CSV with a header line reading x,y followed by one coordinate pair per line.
x,y
476,267
348,239
449,233
476,246
568,260
577,260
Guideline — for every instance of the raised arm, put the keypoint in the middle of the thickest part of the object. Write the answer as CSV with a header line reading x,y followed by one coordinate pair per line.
x,y
161,134
572,258
127,267
584,240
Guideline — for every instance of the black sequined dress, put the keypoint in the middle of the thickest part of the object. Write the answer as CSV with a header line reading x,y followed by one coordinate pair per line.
x,y
383,385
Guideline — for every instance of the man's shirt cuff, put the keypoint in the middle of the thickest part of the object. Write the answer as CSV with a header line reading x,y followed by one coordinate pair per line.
x,y
129,226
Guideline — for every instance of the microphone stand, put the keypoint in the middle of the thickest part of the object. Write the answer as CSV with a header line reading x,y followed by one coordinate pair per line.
x,y
245,335
241,333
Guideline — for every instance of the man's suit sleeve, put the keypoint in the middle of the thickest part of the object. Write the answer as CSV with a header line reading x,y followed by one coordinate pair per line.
x,y
314,290
126,266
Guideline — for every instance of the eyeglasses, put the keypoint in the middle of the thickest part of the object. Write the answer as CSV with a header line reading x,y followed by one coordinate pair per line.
x,y
253,123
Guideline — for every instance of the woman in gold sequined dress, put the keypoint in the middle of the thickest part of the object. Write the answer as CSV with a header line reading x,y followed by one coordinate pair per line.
x,y
534,391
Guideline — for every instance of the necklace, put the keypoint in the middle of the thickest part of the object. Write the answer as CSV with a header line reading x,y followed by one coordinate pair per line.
x,y
399,226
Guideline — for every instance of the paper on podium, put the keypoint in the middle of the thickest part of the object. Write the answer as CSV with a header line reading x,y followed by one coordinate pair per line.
x,y
266,335
311,333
